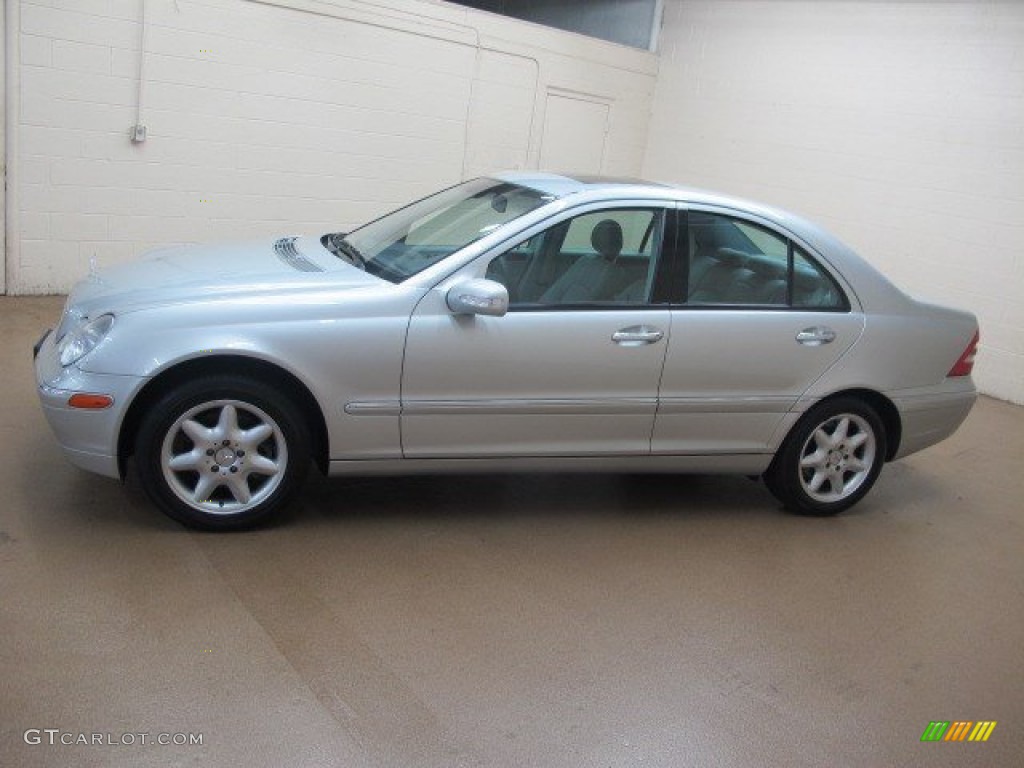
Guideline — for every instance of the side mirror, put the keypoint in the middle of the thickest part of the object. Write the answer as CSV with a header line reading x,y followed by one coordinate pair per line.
x,y
478,297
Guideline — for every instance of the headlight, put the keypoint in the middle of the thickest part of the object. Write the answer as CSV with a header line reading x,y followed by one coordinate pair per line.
x,y
82,339
68,320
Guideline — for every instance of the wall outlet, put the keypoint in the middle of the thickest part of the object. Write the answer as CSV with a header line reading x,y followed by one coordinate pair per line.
x,y
138,133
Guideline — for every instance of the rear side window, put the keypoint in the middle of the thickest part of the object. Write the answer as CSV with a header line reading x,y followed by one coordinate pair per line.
x,y
734,262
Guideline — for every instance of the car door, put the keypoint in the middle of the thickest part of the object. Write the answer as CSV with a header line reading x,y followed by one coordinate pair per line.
x,y
571,370
758,320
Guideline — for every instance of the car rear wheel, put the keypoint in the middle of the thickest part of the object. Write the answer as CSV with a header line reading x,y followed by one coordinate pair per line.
x,y
222,452
830,459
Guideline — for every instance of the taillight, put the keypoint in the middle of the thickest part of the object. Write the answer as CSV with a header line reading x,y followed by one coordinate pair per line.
x,y
965,363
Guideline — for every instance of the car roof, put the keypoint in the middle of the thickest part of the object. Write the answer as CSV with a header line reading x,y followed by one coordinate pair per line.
x,y
600,187
595,188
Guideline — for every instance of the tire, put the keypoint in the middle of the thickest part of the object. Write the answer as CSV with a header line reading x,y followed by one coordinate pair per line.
x,y
222,452
830,459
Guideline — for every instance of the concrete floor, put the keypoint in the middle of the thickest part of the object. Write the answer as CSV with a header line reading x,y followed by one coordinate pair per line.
x,y
522,621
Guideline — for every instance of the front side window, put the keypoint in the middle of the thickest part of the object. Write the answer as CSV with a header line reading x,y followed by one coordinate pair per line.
x,y
407,241
734,262
605,258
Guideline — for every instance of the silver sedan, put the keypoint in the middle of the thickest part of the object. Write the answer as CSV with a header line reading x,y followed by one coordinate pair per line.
x,y
523,322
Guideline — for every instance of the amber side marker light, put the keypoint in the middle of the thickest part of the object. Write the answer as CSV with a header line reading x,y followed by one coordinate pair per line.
x,y
90,401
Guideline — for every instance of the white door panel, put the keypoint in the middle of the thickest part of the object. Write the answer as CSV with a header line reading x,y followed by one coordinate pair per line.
x,y
575,132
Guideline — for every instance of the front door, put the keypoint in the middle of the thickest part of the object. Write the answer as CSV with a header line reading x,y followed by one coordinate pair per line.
x,y
571,370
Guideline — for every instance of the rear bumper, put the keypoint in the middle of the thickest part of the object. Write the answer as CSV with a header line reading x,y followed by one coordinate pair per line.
x,y
88,437
931,415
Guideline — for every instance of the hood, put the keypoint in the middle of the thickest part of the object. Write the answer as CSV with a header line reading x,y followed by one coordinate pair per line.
x,y
185,274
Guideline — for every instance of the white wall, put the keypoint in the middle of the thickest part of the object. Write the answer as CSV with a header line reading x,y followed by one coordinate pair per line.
x,y
899,125
266,116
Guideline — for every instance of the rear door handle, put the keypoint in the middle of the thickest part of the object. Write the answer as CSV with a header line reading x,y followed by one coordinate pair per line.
x,y
637,335
816,336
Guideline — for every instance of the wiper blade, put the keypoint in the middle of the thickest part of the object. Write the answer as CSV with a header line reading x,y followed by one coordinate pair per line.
x,y
342,248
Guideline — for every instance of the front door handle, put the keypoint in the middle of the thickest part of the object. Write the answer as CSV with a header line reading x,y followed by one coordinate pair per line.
x,y
637,335
816,336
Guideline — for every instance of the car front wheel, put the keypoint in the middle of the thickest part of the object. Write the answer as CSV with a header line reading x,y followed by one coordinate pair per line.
x,y
222,452
831,458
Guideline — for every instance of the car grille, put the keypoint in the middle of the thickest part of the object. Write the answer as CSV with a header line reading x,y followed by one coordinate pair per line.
x,y
286,251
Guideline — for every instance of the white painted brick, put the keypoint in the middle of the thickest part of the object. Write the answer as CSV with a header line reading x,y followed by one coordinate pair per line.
x,y
124,62
79,226
331,76
1004,337
34,226
300,42
223,83
34,170
49,142
74,115
70,199
39,271
78,26
72,88
159,149
344,164
92,7
159,228
39,197
49,253
81,57
998,373
36,51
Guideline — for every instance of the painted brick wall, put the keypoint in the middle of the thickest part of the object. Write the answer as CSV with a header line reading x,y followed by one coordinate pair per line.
x,y
277,116
900,126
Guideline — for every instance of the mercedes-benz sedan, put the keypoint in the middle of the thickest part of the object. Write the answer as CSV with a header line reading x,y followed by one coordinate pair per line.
x,y
525,322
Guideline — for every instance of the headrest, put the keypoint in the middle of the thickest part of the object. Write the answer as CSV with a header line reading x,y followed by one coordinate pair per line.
x,y
607,238
731,257
769,270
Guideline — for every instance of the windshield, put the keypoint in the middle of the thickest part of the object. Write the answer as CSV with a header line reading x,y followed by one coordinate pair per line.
x,y
407,241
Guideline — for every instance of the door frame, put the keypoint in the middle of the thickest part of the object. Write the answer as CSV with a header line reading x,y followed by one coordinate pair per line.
x,y
587,98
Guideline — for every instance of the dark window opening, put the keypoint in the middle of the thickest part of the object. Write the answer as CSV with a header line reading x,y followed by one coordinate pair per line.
x,y
627,22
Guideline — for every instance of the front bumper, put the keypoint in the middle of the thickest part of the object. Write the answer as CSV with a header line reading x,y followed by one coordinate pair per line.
x,y
89,437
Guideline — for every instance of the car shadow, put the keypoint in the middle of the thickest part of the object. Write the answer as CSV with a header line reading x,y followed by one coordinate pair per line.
x,y
531,495
76,497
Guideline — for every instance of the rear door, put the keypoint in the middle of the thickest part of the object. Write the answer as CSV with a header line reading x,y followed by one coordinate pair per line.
x,y
758,321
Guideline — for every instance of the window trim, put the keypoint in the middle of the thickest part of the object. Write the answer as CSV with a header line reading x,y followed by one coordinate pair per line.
x,y
660,285
681,293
